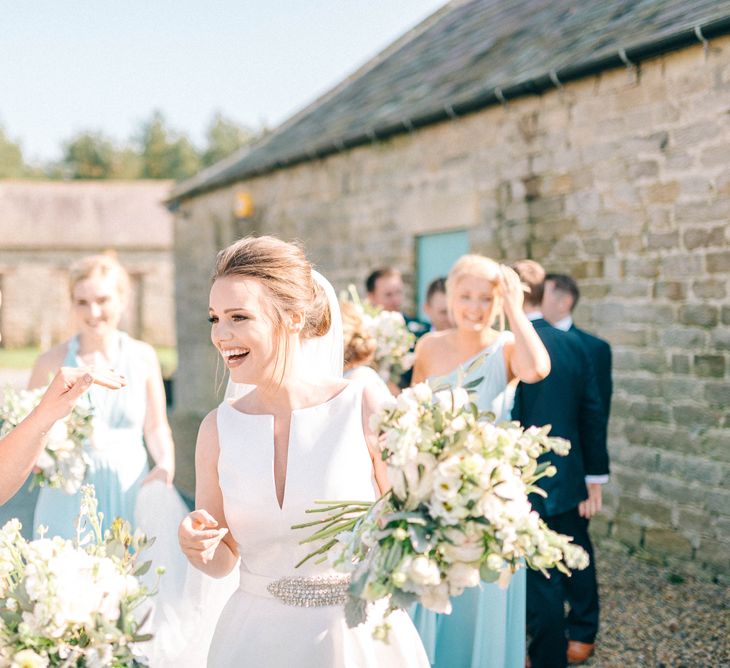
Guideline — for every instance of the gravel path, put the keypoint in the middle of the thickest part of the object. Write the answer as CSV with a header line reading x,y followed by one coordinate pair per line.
x,y
652,617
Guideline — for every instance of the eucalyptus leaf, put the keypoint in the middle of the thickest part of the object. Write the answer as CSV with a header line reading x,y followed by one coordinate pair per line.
x,y
402,599
472,384
410,517
394,556
476,363
487,574
355,611
419,538
143,569
358,582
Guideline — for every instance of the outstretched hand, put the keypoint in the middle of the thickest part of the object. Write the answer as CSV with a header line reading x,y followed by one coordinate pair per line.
x,y
69,384
199,536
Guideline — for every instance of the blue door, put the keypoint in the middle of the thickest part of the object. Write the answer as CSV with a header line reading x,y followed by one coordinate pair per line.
x,y
435,255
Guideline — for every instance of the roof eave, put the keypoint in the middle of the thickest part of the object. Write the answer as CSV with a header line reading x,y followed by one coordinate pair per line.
x,y
498,95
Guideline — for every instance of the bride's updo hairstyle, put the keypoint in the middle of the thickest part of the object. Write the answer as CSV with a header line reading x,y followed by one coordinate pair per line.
x,y
480,267
286,274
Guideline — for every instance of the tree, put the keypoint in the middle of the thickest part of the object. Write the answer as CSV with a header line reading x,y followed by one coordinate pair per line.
x,y
164,153
224,136
12,164
89,155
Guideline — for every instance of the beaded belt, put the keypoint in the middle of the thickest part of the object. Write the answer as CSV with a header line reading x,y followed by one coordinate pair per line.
x,y
307,592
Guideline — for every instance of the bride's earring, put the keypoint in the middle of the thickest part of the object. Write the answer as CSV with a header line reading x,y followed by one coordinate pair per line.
x,y
296,323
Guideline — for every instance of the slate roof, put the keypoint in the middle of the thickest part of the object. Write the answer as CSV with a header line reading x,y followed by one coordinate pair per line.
x,y
466,56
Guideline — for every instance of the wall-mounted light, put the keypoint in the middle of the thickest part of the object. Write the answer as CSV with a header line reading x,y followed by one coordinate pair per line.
x,y
243,206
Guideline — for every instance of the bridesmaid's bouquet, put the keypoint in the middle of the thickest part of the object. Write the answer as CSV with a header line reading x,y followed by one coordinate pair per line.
x,y
394,341
457,513
63,462
71,603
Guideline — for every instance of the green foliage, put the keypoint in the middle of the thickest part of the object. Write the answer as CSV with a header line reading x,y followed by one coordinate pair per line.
x,y
89,155
12,164
155,152
165,154
224,136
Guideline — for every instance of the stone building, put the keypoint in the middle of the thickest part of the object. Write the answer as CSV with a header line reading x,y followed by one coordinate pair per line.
x,y
46,225
593,137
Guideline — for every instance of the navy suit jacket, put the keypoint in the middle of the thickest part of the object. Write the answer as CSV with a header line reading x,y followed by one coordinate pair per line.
x,y
569,400
600,353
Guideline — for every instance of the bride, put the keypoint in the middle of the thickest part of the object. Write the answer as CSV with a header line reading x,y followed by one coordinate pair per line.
x,y
299,434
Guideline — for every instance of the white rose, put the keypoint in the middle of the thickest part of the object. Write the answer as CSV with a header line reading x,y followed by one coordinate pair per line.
x,y
422,392
463,575
424,571
490,507
462,547
437,599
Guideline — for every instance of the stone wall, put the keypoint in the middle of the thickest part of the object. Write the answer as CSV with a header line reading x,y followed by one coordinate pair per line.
x,y
45,226
621,179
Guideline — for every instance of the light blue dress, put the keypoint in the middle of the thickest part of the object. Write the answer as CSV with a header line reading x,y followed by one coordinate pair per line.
x,y
486,628
117,453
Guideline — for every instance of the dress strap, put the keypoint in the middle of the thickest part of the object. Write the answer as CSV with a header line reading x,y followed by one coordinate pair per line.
x,y
72,352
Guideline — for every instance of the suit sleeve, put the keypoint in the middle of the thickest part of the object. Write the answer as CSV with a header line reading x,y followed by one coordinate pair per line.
x,y
592,422
604,376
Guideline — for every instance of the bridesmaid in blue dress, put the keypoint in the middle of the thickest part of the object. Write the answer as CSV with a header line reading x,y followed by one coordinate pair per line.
x,y
486,628
123,421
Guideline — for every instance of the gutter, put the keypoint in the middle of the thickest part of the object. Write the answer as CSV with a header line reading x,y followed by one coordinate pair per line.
x,y
498,95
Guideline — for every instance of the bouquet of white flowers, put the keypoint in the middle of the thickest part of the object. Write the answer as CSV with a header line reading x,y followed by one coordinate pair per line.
x,y
394,340
63,462
457,513
71,603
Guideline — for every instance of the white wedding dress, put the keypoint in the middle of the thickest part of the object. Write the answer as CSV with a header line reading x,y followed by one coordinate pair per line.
x,y
328,459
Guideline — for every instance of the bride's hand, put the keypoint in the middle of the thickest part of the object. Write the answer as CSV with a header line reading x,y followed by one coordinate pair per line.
x,y
199,536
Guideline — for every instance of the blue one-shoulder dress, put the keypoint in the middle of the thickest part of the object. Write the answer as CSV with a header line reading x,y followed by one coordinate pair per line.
x,y
486,628
117,452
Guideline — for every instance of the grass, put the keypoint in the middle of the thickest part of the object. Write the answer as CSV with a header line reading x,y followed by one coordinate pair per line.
x,y
24,358
168,360
18,358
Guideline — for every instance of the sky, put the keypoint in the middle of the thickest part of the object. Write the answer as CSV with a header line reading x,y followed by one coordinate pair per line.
x,y
77,65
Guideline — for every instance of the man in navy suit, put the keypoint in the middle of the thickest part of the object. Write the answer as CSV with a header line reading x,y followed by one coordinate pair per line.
x,y
384,288
570,401
560,299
